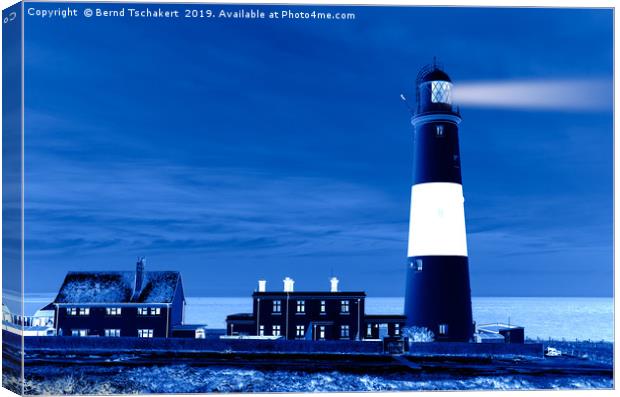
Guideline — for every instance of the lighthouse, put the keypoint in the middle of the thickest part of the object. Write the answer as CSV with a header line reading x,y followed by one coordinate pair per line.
x,y
438,295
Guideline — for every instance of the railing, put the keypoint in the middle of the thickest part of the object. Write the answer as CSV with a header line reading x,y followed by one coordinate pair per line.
x,y
28,321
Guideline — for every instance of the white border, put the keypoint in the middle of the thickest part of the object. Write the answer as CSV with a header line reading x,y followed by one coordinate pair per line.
x,y
478,3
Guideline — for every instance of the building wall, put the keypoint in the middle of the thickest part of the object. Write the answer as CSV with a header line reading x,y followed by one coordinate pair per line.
x,y
372,329
97,321
514,335
240,327
288,319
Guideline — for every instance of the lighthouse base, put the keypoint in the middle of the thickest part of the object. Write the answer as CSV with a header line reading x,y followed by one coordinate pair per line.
x,y
438,297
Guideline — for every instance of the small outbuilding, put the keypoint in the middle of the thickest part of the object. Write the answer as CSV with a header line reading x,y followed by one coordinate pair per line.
x,y
510,333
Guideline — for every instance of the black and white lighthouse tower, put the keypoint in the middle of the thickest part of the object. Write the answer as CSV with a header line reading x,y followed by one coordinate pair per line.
x,y
438,295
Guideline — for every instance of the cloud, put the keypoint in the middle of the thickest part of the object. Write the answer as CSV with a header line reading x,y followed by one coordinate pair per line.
x,y
153,207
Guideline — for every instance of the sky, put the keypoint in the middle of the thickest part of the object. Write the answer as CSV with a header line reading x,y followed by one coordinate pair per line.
x,y
235,150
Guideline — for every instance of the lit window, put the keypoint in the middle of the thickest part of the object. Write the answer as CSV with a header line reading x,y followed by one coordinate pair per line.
x,y
113,311
155,311
300,330
443,329
344,307
79,332
143,311
145,333
277,306
344,331
275,330
322,307
369,330
72,311
441,92
321,332
396,329
301,306
84,311
418,265
439,129
113,332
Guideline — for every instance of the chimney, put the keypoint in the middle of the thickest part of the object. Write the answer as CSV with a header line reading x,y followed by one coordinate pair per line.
x,y
289,284
334,284
262,285
139,276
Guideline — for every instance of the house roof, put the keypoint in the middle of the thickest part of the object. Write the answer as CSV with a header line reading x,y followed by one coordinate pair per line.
x,y
311,294
48,307
385,317
497,327
117,287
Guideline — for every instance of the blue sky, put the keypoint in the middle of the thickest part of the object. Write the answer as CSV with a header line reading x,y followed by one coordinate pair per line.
x,y
239,150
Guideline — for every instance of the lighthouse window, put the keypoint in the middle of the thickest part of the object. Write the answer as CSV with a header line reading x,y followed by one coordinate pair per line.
x,y
441,92
440,130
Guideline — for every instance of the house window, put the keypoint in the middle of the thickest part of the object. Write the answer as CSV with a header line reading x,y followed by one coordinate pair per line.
x,y
113,332
113,311
344,307
155,311
145,333
143,311
79,332
72,311
439,129
277,307
300,331
369,330
344,331
396,329
322,307
301,306
84,311
418,265
275,330
261,330
443,329
321,332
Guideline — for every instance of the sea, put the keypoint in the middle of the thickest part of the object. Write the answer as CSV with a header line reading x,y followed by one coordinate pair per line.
x,y
558,318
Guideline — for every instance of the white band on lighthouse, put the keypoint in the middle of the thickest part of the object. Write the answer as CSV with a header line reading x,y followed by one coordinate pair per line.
x,y
437,222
